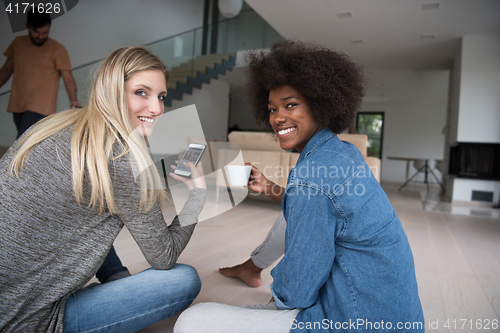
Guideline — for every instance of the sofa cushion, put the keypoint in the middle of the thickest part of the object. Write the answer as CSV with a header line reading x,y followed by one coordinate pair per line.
x,y
359,140
263,141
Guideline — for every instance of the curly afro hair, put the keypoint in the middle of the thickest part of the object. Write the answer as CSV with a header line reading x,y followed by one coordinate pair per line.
x,y
330,82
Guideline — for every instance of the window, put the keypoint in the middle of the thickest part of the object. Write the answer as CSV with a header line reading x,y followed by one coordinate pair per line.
x,y
371,124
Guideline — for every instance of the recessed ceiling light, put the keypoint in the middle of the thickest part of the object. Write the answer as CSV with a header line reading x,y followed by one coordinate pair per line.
x,y
344,14
357,41
427,36
430,5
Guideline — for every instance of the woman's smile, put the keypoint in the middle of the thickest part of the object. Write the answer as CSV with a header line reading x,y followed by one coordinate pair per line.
x,y
286,131
146,120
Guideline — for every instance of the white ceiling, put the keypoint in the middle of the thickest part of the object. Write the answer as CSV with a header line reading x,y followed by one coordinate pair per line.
x,y
391,30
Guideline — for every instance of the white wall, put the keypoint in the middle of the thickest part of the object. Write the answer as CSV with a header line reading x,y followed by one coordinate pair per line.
x,y
452,118
92,29
455,81
212,104
414,104
476,104
479,113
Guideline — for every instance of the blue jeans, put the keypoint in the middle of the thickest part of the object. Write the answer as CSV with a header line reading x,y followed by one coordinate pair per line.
x,y
111,265
132,303
25,120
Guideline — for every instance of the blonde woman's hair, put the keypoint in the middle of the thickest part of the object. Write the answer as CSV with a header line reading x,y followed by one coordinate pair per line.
x,y
98,126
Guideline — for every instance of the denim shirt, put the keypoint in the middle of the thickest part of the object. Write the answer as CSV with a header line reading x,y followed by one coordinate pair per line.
x,y
347,262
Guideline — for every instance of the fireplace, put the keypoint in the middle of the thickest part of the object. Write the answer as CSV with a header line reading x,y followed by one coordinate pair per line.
x,y
475,160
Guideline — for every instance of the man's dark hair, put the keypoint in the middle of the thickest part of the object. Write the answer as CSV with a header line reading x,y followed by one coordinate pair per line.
x,y
36,20
331,83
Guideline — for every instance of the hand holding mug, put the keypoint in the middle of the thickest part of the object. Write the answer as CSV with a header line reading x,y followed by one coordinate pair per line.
x,y
260,184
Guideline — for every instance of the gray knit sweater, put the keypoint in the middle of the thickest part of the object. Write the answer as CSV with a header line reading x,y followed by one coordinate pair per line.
x,y
50,246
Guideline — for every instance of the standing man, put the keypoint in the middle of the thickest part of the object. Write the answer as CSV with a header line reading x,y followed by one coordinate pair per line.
x,y
37,62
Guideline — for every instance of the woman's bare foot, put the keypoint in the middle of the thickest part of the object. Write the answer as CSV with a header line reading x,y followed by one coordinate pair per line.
x,y
246,272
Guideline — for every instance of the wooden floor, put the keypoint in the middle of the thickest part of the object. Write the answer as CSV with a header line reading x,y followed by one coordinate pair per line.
x,y
457,260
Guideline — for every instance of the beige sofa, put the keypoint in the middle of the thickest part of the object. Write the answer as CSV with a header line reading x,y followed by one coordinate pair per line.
x,y
263,151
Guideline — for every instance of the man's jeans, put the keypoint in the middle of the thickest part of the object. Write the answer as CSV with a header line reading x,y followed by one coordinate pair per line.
x,y
25,120
132,303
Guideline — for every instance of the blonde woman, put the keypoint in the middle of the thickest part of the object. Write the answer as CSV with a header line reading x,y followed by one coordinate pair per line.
x,y
68,186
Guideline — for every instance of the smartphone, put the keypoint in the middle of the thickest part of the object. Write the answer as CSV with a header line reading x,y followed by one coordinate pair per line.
x,y
192,154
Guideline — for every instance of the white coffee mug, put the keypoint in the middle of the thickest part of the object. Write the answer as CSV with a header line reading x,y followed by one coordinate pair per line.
x,y
238,174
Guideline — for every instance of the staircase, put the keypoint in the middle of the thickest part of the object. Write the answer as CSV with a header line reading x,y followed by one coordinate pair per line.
x,y
194,73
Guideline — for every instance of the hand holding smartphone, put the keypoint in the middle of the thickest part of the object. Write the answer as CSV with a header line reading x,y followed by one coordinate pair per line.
x,y
192,154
